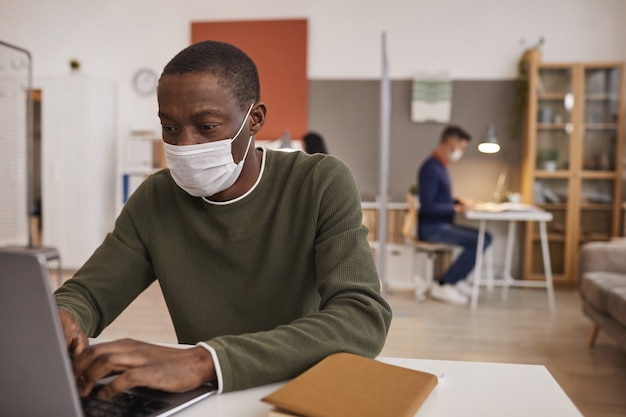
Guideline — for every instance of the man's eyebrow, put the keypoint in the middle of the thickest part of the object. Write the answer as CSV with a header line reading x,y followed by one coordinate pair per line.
x,y
206,112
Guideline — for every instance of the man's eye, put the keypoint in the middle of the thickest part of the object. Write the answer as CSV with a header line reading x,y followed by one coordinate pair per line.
x,y
206,128
168,129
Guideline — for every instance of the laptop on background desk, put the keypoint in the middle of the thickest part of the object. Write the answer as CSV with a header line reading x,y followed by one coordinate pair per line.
x,y
36,374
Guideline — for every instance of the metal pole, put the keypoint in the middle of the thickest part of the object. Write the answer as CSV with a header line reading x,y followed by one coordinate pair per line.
x,y
385,111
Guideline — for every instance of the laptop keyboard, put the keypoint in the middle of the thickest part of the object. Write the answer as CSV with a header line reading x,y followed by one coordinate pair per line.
x,y
122,405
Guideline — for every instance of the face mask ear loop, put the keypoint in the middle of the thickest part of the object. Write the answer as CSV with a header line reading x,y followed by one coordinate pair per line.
x,y
249,139
247,149
242,124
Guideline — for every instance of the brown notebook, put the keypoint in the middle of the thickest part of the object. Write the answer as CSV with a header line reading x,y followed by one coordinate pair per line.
x,y
347,385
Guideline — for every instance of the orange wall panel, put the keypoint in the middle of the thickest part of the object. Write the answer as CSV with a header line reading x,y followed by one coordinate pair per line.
x,y
279,49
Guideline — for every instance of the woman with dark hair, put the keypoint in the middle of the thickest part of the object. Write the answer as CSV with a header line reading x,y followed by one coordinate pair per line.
x,y
313,143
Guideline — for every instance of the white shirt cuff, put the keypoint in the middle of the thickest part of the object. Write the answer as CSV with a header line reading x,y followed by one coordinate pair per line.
x,y
216,364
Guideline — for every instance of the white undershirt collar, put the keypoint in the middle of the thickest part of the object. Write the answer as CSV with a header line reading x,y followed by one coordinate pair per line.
x,y
244,195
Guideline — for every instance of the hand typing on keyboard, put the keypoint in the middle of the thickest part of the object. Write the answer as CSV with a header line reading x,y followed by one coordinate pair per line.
x,y
465,204
138,364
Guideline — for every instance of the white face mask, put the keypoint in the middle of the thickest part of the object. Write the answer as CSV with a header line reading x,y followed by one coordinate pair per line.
x,y
455,155
205,169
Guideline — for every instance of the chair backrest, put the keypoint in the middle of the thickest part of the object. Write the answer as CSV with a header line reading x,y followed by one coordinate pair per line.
x,y
409,228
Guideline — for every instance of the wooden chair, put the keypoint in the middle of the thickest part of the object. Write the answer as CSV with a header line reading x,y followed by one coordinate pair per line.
x,y
430,249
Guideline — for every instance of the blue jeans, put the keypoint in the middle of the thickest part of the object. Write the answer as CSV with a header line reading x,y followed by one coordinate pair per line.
x,y
459,236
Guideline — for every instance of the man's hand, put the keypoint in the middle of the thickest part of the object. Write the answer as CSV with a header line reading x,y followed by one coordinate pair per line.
x,y
468,202
465,204
75,339
140,364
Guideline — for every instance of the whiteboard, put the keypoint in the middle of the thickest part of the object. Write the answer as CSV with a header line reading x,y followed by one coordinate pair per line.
x,y
14,145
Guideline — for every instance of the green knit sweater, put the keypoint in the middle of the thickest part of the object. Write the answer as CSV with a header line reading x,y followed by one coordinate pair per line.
x,y
274,282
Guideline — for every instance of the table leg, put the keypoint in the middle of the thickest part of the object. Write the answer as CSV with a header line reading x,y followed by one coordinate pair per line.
x,y
508,259
479,262
547,267
489,269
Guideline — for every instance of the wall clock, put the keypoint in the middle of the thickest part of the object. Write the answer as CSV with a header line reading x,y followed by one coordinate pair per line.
x,y
145,81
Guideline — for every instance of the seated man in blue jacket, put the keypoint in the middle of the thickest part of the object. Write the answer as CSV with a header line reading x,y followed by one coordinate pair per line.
x,y
436,216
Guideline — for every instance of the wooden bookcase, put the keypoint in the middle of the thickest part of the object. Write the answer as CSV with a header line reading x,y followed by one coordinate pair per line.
x,y
572,159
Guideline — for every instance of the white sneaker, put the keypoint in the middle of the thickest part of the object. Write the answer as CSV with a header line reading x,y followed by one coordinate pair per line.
x,y
464,288
448,294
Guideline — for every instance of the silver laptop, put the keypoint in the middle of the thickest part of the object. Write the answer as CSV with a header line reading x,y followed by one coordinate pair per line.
x,y
35,369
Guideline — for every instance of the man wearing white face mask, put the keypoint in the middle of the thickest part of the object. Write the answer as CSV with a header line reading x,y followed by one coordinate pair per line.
x,y
436,216
261,255
207,168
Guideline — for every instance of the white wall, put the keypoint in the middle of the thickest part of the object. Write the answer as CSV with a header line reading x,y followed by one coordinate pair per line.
x,y
477,39
472,39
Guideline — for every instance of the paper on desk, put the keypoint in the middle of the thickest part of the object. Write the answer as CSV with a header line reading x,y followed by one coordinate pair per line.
x,y
500,207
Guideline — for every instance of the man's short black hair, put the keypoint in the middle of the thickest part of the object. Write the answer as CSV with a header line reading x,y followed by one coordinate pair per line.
x,y
234,69
455,131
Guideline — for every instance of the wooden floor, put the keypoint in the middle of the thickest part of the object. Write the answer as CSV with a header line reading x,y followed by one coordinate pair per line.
x,y
520,330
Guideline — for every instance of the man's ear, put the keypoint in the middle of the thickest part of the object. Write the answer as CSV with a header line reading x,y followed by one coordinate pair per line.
x,y
257,116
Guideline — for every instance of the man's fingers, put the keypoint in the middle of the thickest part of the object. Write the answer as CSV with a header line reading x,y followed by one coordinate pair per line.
x,y
101,367
75,339
118,353
130,379
78,343
100,361
142,364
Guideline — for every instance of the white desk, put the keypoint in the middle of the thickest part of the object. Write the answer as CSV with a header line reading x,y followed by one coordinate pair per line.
x,y
468,389
537,215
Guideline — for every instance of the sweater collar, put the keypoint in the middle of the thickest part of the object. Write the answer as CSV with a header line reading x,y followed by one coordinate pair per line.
x,y
247,193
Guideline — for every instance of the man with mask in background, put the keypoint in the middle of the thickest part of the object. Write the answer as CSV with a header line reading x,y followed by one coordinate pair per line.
x,y
436,216
261,255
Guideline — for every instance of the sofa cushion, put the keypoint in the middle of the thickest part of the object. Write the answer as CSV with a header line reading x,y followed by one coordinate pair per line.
x,y
603,256
616,304
596,287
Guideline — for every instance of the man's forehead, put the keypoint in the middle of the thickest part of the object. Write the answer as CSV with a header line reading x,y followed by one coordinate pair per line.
x,y
194,84
192,77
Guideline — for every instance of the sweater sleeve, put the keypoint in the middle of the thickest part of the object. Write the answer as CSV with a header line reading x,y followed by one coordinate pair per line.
x,y
353,316
117,272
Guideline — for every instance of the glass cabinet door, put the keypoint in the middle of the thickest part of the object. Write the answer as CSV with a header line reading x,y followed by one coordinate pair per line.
x,y
552,195
601,112
555,102
596,208
599,154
